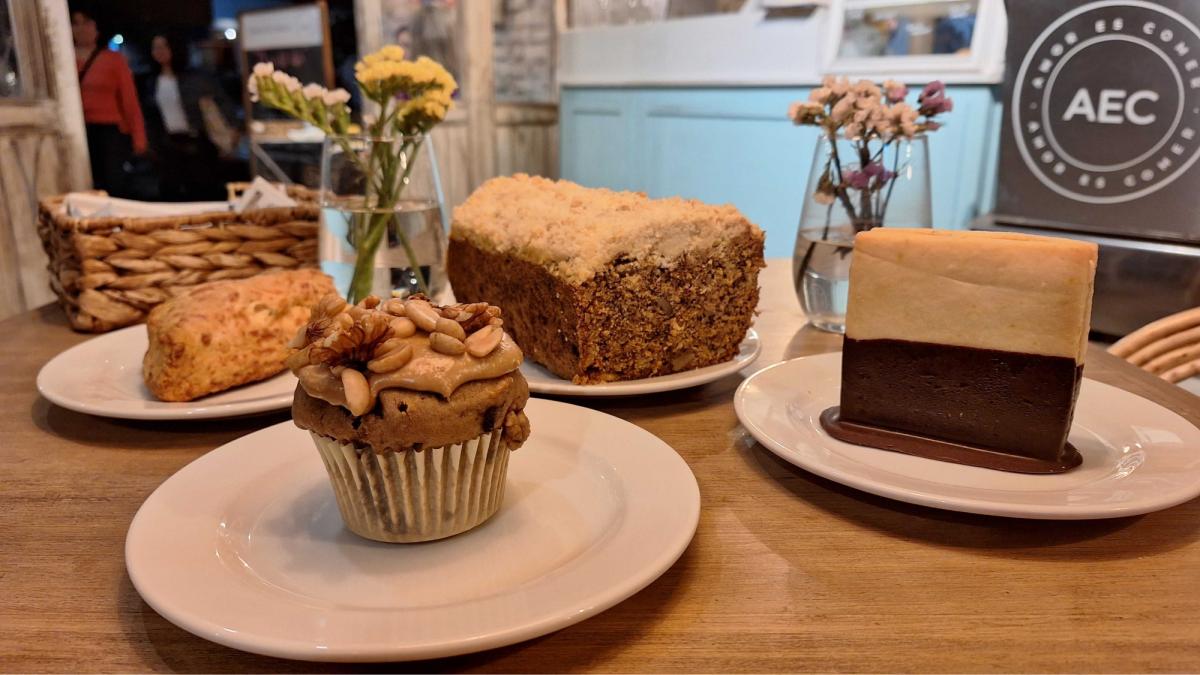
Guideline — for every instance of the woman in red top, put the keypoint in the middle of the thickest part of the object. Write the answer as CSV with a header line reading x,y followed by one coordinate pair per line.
x,y
110,106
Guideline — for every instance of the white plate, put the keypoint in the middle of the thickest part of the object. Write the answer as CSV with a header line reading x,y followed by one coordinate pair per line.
x,y
245,547
1137,456
103,376
542,381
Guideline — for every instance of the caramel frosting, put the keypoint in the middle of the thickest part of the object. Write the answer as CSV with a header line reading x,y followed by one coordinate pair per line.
x,y
347,354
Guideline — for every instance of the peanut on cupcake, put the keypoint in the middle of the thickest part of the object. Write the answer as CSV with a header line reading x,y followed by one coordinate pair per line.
x,y
414,408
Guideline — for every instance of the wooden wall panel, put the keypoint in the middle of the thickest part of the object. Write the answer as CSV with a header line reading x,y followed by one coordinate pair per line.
x,y
524,138
452,150
31,167
42,147
531,149
527,140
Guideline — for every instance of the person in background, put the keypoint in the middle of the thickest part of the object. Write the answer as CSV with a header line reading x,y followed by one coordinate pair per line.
x,y
115,129
181,105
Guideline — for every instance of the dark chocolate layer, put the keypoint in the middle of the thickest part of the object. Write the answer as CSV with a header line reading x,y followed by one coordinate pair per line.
x,y
932,448
1007,402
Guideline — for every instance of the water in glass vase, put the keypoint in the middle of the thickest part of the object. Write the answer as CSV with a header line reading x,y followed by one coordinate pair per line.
x,y
823,280
412,252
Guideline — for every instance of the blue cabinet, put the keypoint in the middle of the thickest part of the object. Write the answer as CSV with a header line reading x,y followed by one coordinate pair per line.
x,y
737,145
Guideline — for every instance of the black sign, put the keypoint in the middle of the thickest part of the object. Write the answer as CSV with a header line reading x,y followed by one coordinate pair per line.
x,y
1102,117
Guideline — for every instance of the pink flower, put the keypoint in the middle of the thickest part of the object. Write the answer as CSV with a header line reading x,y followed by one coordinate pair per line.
x,y
859,180
894,91
935,88
933,101
881,175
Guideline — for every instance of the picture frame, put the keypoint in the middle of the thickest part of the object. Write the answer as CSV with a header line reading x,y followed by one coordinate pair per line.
x,y
982,63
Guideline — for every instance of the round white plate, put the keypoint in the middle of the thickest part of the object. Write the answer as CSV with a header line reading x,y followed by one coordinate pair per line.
x,y
542,381
1137,456
103,376
245,546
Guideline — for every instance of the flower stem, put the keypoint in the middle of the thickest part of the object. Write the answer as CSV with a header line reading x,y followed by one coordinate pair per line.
x,y
382,211
413,263
365,249
841,191
892,182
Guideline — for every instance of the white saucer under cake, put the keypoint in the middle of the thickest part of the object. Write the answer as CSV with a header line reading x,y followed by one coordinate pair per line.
x,y
103,376
542,381
1138,456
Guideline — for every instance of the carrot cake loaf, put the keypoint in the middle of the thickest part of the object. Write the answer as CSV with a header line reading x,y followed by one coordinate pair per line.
x,y
598,285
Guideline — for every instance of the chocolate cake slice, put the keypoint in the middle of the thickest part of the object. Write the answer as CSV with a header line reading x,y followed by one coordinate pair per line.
x,y
965,347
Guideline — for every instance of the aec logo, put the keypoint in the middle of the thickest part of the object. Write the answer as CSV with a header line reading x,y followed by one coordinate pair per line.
x,y
1106,105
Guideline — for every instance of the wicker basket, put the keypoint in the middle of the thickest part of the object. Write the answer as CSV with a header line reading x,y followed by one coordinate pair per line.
x,y
110,272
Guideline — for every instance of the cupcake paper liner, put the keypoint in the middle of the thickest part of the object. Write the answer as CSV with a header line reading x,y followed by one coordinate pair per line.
x,y
411,496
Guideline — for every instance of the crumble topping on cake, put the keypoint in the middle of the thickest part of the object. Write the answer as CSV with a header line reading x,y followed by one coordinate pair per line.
x,y
576,231
601,286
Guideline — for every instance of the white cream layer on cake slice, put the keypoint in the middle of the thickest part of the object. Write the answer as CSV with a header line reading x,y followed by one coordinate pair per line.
x,y
987,290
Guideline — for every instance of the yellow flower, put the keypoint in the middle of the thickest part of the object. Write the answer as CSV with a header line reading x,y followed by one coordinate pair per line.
x,y
423,112
392,53
388,53
384,79
421,88
436,74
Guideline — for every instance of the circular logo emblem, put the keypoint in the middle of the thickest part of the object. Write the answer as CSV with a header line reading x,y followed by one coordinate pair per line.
x,y
1106,104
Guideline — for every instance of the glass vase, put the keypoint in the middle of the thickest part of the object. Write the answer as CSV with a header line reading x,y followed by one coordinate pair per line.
x,y
850,190
381,217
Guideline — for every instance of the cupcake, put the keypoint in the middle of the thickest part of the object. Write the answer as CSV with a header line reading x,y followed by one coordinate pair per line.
x,y
414,408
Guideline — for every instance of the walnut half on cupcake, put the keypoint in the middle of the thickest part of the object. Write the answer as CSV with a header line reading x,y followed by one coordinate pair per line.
x,y
414,408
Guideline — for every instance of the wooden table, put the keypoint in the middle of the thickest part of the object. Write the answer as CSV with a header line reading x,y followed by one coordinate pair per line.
x,y
787,572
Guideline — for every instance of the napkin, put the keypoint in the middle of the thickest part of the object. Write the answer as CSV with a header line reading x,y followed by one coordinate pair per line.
x,y
92,205
262,194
